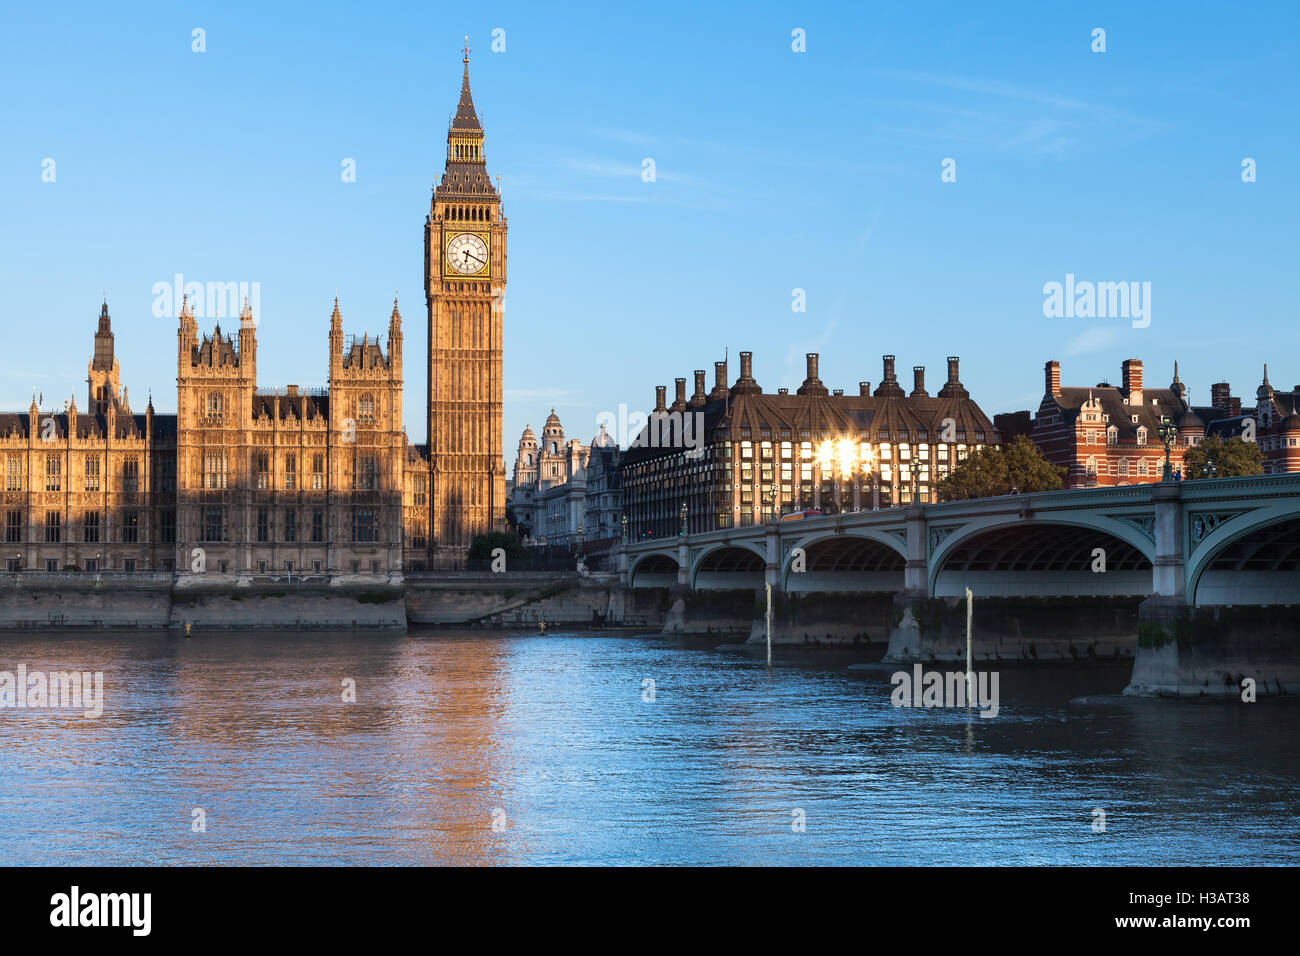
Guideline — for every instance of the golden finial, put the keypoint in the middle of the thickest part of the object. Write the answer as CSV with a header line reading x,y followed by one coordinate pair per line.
x,y
467,51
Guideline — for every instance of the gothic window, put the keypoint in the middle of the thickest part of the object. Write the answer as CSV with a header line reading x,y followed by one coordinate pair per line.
x,y
53,527
14,474
214,471
290,472
90,527
131,474
14,527
367,474
167,526
214,405
317,471
130,527
366,410
363,525
53,473
318,525
263,525
213,525
92,472
262,467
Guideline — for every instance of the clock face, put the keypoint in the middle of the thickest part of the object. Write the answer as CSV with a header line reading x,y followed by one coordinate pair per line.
x,y
467,254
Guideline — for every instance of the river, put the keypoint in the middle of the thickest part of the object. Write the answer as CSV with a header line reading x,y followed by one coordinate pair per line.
x,y
485,748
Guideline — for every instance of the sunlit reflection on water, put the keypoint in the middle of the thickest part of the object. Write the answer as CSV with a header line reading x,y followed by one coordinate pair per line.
x,y
477,748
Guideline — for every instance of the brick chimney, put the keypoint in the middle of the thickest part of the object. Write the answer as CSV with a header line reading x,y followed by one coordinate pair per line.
x,y
1131,380
719,381
746,383
864,388
679,401
661,398
1220,395
812,385
699,398
918,382
1052,372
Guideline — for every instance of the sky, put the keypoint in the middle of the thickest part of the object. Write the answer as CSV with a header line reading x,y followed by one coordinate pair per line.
x,y
775,170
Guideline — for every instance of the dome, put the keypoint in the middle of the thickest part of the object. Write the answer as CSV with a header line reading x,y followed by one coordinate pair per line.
x,y
603,439
552,419
1189,420
528,433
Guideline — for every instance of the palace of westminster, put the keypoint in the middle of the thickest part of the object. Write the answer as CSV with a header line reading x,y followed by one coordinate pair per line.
x,y
245,479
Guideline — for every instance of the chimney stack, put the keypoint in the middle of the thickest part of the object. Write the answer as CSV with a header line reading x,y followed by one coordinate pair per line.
x,y
1220,395
953,388
699,398
679,402
864,388
1132,380
918,382
719,381
746,383
812,385
889,367
1052,371
661,396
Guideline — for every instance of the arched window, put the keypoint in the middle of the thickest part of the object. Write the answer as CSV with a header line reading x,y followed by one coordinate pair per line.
x,y
366,410
214,405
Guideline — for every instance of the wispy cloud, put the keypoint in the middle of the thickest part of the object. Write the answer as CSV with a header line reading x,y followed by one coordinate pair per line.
x,y
1095,339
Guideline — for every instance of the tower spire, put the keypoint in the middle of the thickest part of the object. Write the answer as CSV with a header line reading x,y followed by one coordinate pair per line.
x,y
465,118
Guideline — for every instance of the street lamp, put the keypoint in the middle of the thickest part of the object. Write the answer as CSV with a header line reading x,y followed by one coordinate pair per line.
x,y
624,521
1167,432
682,531
771,504
1210,469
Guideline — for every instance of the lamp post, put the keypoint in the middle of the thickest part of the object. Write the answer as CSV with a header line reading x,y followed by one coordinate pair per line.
x,y
771,504
624,521
682,531
1167,432
1210,469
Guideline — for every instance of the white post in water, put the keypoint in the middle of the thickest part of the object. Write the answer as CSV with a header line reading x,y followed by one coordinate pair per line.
x,y
970,676
768,618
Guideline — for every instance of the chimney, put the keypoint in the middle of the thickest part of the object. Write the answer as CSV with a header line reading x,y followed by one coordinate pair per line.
x,y
783,391
699,398
1052,372
812,385
864,388
661,397
918,382
291,391
1132,380
719,382
889,385
1220,395
746,381
679,402
953,388
838,391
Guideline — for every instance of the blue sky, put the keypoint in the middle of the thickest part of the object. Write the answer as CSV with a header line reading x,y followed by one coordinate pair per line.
x,y
776,170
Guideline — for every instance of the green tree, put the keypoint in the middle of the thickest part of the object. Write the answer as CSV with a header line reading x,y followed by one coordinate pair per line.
x,y
991,471
481,548
1233,458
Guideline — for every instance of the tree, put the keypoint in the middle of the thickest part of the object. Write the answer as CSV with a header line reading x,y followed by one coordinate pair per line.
x,y
991,471
1233,458
481,548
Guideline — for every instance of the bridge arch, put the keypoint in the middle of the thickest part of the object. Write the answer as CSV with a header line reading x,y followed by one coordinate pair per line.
x,y
1011,556
851,560
653,570
728,566
1251,558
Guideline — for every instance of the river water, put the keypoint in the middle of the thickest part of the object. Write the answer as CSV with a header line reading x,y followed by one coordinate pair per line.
x,y
487,748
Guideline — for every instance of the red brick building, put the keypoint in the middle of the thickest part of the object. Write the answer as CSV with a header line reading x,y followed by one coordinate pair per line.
x,y
1108,435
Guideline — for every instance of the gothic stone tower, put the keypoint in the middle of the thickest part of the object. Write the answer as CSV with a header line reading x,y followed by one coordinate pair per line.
x,y
464,282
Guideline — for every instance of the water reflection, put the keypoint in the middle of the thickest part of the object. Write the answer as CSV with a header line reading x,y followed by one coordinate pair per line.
x,y
554,739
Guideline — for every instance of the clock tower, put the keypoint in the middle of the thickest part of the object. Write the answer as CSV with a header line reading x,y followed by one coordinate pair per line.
x,y
464,285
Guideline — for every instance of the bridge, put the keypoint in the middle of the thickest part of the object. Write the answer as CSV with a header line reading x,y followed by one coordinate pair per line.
x,y
1178,552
